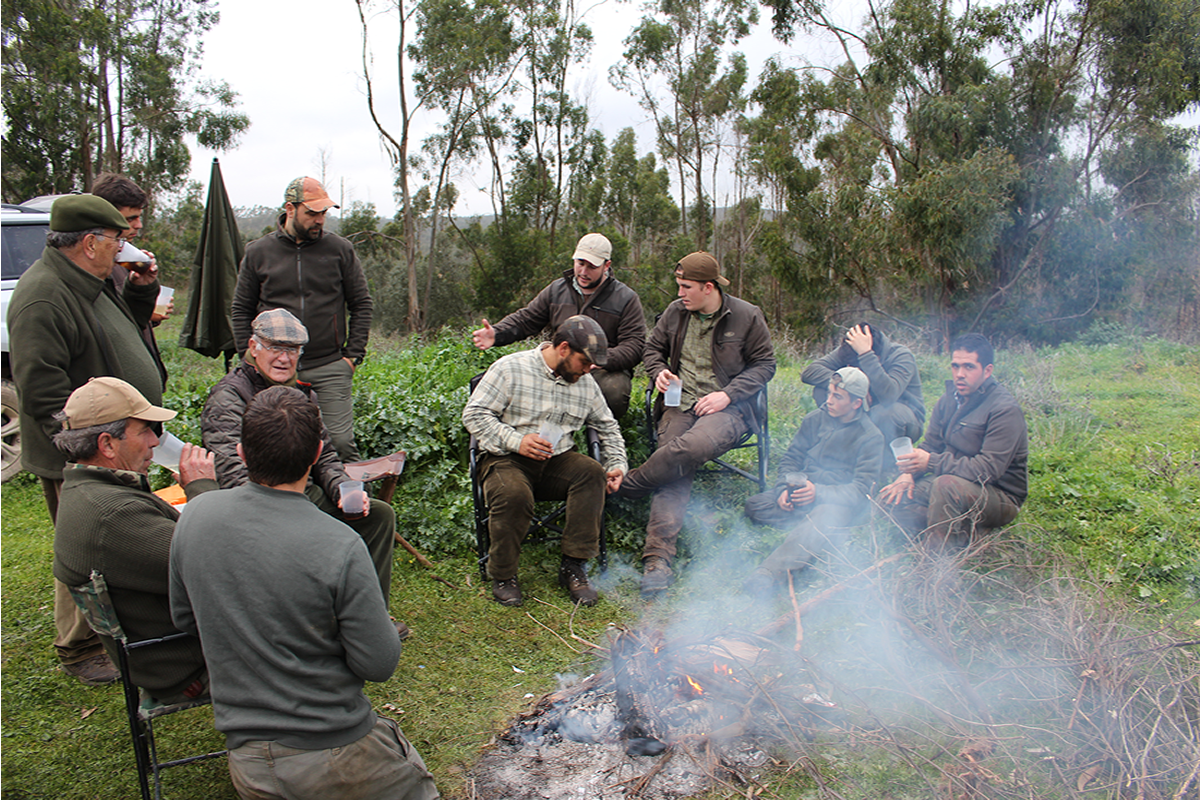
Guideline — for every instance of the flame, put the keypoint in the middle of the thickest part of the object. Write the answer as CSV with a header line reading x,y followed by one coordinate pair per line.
x,y
721,669
695,686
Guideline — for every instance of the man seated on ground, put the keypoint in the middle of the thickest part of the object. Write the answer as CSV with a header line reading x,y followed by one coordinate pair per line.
x,y
897,407
590,289
293,623
272,355
839,453
109,520
971,471
720,348
511,411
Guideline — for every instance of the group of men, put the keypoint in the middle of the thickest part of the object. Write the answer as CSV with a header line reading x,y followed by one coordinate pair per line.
x,y
287,595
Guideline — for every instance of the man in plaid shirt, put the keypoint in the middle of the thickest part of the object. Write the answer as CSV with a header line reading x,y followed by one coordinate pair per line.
x,y
524,413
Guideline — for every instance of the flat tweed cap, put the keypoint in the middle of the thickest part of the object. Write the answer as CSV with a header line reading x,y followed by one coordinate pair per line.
x,y
585,335
281,327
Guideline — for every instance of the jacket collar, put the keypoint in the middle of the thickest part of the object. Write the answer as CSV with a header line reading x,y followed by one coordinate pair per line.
x,y
121,477
77,279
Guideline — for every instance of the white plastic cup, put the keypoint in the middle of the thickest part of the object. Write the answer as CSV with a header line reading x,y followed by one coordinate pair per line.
x,y
132,258
354,499
901,447
165,293
674,393
168,452
551,433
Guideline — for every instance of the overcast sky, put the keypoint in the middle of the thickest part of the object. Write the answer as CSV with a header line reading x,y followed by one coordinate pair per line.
x,y
297,70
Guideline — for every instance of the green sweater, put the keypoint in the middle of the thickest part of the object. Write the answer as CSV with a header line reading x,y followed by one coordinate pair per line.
x,y
109,520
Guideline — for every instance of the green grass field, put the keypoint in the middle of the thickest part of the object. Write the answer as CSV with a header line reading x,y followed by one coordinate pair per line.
x,y
1103,564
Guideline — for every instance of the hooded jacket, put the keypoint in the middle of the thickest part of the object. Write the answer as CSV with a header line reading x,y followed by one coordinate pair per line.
x,y
892,372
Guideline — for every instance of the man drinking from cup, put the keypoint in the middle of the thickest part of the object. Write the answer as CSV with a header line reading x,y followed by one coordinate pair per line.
x,y
272,355
825,481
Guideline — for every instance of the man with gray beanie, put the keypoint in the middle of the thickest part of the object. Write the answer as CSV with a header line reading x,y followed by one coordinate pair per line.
x,y
68,323
519,402
275,346
588,288
825,481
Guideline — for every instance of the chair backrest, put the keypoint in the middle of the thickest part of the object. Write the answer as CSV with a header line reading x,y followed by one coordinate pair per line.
x,y
97,606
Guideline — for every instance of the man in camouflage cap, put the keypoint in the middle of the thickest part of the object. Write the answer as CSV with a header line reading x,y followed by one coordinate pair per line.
x,y
68,323
315,275
524,414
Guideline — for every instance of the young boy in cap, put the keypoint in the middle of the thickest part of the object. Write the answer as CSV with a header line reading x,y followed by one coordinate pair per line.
x,y
825,480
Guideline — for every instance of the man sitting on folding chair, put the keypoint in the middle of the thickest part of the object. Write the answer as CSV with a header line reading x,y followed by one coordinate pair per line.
x,y
524,414
719,348
109,520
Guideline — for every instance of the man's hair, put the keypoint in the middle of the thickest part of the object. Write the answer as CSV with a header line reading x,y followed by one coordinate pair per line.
x,y
975,343
281,431
82,444
65,240
120,191
876,341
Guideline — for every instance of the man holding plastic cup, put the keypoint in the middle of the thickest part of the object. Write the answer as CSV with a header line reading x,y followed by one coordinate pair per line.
x,y
272,354
971,472
109,520
719,348
825,481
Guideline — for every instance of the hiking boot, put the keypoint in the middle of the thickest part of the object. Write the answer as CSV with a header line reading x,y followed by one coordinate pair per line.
x,y
95,671
573,578
507,592
656,576
402,630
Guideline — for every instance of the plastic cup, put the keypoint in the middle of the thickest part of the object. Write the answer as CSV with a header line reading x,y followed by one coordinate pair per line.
x,y
902,446
674,393
132,258
165,293
551,433
354,499
168,452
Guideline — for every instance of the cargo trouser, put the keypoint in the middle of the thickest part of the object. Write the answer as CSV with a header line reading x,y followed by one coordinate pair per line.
x,y
812,530
334,385
513,483
685,443
383,765
74,639
950,509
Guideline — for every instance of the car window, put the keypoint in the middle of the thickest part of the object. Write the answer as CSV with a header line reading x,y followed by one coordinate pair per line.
x,y
23,244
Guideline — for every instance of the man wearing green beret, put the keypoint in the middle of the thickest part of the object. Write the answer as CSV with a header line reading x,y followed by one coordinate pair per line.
x,y
67,323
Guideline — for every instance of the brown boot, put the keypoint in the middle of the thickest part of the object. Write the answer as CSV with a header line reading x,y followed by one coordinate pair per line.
x,y
656,576
95,671
507,592
573,578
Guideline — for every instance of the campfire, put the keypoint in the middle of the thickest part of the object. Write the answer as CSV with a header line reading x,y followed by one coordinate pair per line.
x,y
665,719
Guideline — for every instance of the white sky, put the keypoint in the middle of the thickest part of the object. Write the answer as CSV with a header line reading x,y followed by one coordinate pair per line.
x,y
297,70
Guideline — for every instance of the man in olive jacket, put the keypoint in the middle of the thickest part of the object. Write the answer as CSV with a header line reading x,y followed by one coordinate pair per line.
x,y
109,521
590,289
971,472
67,323
719,347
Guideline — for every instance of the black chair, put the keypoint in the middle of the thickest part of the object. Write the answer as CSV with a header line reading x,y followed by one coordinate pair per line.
x,y
543,528
760,440
140,708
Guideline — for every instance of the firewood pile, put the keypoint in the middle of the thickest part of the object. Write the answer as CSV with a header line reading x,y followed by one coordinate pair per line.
x,y
666,718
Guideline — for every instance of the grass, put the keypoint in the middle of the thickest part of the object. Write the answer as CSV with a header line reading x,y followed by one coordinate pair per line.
x,y
1114,508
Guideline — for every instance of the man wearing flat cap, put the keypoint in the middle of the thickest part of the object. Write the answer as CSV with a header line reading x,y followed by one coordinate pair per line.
x,y
590,289
317,276
277,343
719,347
110,521
68,323
524,413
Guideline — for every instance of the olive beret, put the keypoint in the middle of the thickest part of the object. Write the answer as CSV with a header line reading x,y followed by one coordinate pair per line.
x,y
82,212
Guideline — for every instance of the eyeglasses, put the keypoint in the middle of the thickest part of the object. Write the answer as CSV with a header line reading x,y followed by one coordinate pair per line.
x,y
294,351
106,236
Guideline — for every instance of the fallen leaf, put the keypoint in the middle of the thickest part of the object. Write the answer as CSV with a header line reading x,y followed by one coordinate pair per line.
x,y
87,712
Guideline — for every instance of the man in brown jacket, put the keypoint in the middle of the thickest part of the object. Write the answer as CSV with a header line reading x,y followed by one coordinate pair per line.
x,y
719,348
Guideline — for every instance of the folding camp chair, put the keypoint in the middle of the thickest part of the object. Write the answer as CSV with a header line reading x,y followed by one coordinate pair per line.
x,y
141,709
543,528
760,440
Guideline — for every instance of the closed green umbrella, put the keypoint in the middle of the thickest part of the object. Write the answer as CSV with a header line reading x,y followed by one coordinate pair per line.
x,y
207,328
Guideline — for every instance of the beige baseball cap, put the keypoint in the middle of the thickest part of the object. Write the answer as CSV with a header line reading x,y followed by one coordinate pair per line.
x,y
595,248
104,400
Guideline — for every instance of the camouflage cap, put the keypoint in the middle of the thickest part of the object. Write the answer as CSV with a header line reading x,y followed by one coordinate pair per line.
x,y
83,212
280,326
586,336
855,382
311,193
702,267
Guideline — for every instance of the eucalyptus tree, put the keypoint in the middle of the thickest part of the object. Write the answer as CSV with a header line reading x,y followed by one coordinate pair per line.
x,y
108,85
678,49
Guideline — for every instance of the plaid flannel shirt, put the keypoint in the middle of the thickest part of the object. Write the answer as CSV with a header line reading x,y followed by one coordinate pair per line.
x,y
520,393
